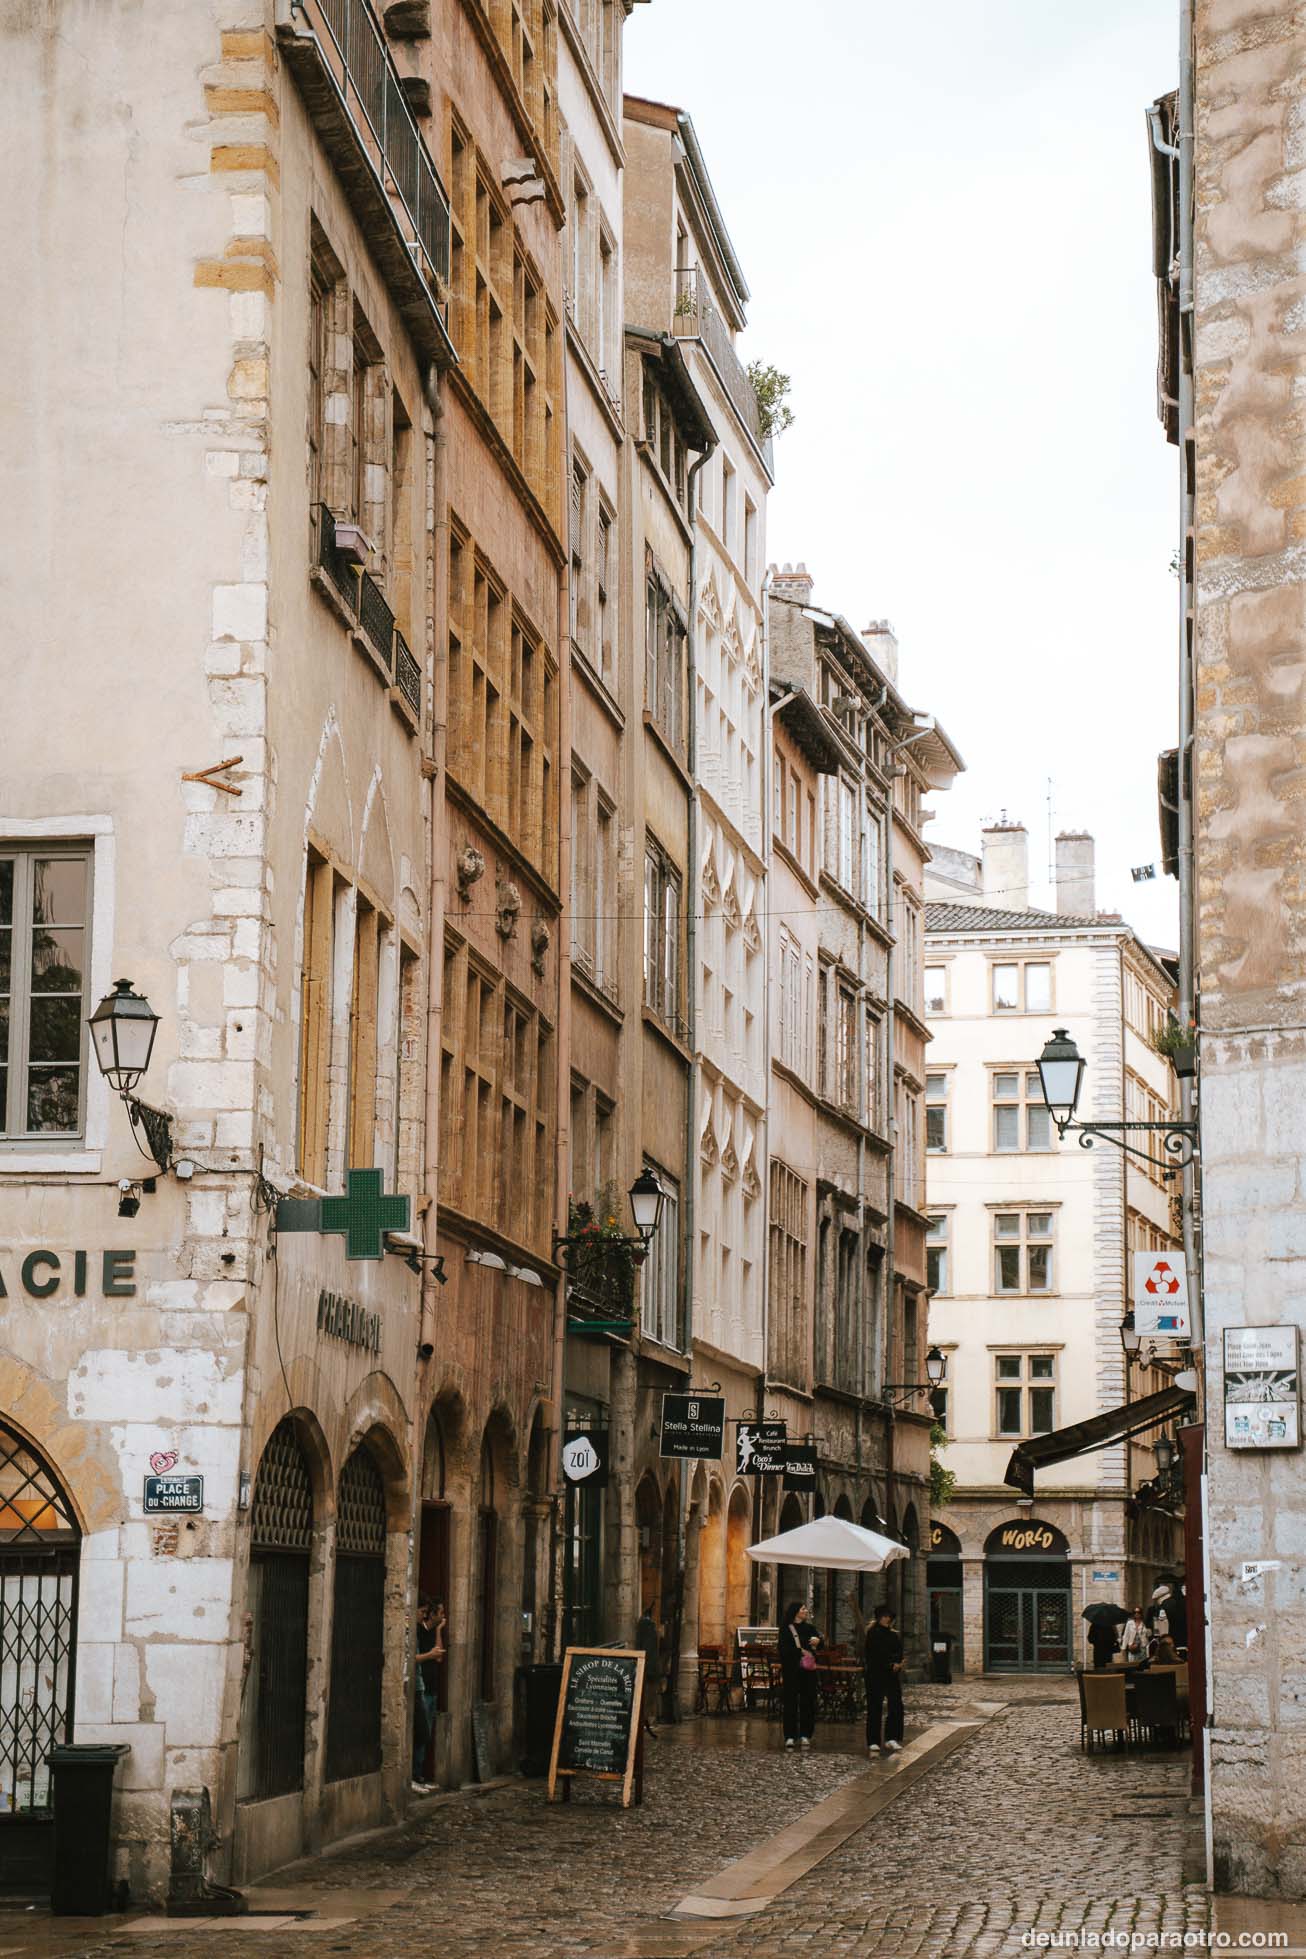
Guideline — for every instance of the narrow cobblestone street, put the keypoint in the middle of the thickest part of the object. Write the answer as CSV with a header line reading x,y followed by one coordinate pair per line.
x,y
1014,1831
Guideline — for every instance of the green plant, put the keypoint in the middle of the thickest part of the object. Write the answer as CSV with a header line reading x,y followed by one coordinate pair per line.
x,y
1174,1036
603,1259
942,1481
772,390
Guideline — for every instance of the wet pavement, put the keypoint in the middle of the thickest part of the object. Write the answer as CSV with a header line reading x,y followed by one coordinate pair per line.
x,y
990,1830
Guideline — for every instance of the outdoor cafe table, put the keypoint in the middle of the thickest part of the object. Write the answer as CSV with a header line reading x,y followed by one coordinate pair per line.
x,y
840,1690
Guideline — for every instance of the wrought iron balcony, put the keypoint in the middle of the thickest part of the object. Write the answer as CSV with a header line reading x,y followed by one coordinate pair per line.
x,y
696,318
376,620
408,675
342,571
352,90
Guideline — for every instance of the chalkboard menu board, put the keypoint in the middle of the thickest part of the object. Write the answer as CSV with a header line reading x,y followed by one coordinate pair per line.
x,y
598,1730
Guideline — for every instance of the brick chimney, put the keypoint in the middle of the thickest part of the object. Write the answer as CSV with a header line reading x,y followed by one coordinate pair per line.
x,y
793,582
882,644
1005,872
1076,879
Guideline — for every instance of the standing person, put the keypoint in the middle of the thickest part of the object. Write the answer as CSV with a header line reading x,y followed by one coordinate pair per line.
x,y
1102,1640
1133,1641
882,1665
426,1686
648,1641
798,1637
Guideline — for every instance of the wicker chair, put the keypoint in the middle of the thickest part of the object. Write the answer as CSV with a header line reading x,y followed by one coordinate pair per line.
x,y
1155,1709
1103,1712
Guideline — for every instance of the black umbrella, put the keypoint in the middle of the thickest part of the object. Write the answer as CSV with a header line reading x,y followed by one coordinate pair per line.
x,y
1102,1614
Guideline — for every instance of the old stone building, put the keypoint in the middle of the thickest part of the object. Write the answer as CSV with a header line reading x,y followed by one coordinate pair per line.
x,y
1226,200
233,810
1031,1244
846,1349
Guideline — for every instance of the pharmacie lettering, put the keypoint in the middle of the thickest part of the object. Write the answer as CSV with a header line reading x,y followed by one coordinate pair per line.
x,y
344,1319
46,1274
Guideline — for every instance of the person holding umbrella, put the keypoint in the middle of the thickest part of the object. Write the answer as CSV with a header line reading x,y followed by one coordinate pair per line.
x,y
1103,1619
1133,1641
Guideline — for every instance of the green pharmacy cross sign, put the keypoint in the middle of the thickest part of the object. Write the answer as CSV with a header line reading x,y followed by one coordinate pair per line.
x,y
363,1215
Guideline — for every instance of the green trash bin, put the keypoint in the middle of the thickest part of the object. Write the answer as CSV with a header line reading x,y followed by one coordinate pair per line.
x,y
82,1773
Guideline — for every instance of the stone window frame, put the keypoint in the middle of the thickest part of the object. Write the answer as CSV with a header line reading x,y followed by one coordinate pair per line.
x,y
1027,1102
21,935
1024,1383
664,947
1000,961
1022,1242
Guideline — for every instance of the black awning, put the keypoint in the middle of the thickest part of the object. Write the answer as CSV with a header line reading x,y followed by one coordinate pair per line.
x,y
1081,1438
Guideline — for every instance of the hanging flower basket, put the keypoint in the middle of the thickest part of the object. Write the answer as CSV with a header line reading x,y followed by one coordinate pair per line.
x,y
600,1265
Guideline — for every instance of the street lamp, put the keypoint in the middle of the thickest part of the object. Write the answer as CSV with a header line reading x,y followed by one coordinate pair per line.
x,y
935,1367
1061,1073
899,1393
1164,1451
1130,1338
122,1034
647,1201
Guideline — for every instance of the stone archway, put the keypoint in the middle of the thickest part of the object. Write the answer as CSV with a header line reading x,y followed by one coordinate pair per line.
x,y
843,1593
791,1580
739,1566
712,1571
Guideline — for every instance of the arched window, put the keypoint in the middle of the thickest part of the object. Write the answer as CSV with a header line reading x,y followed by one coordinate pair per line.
x,y
276,1685
39,1551
358,1621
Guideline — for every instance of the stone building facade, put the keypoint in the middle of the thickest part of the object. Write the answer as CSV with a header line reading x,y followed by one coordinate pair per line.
x,y
844,1365
1030,1245
1226,200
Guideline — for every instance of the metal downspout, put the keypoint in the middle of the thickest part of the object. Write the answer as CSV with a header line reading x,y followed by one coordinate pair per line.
x,y
435,936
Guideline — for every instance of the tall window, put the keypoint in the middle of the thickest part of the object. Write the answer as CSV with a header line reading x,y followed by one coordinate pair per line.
x,y
795,1003
315,1016
936,1252
907,1155
845,1061
1020,1116
44,928
579,529
936,1114
662,933
873,1111
661,1272
1025,1394
1022,1251
664,662
788,1276
868,886
1022,986
936,989
729,507
364,1010
605,649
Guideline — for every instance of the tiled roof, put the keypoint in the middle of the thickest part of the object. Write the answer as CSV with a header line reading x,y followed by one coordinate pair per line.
x,y
978,918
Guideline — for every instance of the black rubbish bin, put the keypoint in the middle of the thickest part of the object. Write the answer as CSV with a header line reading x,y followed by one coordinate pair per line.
x,y
543,1684
83,1806
941,1659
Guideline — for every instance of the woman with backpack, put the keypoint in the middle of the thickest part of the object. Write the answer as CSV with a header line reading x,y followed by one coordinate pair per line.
x,y
798,1637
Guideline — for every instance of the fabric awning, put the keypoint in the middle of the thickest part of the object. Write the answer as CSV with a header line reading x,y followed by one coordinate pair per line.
x,y
1081,1438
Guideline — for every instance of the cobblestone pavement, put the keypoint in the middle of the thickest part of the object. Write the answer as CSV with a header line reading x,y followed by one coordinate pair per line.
x,y
1015,1831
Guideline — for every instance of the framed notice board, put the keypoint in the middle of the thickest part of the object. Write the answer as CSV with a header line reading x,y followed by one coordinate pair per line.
x,y
599,1730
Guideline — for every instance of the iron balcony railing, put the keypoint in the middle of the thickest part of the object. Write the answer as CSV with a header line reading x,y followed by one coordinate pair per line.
x,y
696,318
369,86
377,620
408,675
341,571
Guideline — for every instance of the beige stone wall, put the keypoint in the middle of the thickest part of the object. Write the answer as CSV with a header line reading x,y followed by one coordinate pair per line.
x,y
1251,871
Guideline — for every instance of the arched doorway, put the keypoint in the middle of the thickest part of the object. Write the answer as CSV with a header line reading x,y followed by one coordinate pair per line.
x,y
40,1547
648,1521
487,1571
712,1572
943,1583
791,1581
910,1566
739,1570
1027,1626
843,1588
357,1621
275,1694
434,1554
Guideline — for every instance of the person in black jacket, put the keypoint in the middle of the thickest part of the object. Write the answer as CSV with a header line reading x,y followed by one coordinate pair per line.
x,y
882,1664
798,1678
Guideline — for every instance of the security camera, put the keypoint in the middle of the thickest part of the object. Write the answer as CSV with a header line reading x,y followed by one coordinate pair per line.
x,y
129,1198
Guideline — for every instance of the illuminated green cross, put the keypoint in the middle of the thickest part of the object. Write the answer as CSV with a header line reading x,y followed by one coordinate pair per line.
x,y
364,1214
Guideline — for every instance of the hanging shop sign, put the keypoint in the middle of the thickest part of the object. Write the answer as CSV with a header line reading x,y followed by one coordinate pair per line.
x,y
800,1466
1161,1296
1262,1388
598,1729
585,1458
174,1496
760,1448
344,1319
362,1216
694,1426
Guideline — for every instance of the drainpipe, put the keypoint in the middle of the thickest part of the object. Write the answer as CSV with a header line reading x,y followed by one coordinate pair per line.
x,y
555,1628
759,1574
691,1086
433,766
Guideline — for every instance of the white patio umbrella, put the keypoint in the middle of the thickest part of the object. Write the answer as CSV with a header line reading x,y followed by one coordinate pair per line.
x,y
829,1544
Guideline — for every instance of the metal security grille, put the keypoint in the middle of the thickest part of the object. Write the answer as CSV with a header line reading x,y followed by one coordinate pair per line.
x,y
358,1622
39,1550
283,1495
282,1530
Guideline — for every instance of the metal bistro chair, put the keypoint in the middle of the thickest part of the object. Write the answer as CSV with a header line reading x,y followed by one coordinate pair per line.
x,y
1104,1711
1155,1709
713,1681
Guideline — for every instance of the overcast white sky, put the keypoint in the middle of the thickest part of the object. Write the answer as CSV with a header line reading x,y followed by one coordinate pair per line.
x,y
943,215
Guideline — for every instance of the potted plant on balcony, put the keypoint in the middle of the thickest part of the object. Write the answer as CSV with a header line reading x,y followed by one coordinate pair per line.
x,y
603,1260
1177,1043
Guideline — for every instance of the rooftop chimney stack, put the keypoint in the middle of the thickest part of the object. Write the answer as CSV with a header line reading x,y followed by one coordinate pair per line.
x,y
1076,880
882,644
793,582
1005,872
